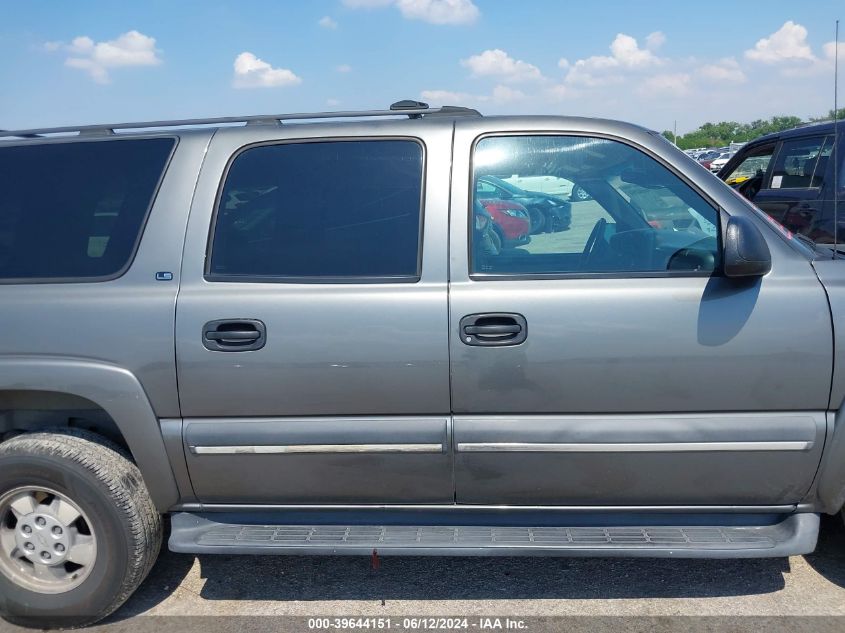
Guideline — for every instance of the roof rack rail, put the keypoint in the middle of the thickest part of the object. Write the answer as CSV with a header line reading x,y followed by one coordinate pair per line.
x,y
411,109
16,134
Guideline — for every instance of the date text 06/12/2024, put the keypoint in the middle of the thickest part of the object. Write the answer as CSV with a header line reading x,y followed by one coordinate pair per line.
x,y
418,624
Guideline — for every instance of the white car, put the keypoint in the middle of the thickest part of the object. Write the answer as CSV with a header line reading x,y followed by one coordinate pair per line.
x,y
552,185
720,162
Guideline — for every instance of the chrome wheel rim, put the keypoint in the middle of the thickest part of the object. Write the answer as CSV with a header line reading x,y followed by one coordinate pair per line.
x,y
47,543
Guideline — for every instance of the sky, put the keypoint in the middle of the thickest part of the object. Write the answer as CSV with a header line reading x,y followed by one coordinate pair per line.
x,y
655,63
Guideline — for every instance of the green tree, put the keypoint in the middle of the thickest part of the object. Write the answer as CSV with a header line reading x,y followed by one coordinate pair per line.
x,y
725,132
840,116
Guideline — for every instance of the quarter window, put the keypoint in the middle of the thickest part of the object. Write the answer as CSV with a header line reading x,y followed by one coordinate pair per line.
x,y
75,210
315,211
622,211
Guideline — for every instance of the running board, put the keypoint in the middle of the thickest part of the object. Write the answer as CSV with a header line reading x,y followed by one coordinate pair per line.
x,y
202,534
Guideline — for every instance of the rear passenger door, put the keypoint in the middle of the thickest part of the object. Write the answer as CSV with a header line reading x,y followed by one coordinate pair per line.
x,y
312,319
612,364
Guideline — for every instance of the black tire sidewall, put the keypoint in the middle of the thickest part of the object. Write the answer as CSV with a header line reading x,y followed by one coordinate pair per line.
x,y
113,539
537,220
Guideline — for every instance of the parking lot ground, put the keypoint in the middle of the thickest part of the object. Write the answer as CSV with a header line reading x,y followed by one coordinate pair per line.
x,y
308,586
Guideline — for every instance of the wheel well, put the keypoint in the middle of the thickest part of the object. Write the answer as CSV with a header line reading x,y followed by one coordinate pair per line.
x,y
25,411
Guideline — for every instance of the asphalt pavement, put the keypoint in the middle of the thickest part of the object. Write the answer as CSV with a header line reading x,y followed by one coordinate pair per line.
x,y
182,585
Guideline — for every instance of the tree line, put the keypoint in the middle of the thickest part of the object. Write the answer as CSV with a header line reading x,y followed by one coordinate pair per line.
x,y
725,132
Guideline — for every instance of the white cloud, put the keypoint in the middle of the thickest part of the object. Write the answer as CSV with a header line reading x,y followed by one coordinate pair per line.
x,y
343,68
447,96
252,72
504,94
625,54
500,94
655,40
327,22
725,70
563,63
497,63
558,92
830,51
439,11
332,102
432,11
787,44
98,58
667,84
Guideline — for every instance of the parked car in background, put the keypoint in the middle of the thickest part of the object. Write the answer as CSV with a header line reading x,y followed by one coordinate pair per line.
x,y
717,163
552,185
511,225
790,176
547,212
707,157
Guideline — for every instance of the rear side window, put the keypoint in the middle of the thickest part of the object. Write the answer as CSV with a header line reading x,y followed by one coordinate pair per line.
x,y
801,163
320,211
75,211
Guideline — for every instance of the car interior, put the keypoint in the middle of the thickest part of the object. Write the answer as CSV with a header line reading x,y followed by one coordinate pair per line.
x,y
642,218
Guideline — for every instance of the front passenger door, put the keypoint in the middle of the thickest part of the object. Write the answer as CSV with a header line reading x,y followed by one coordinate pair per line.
x,y
612,364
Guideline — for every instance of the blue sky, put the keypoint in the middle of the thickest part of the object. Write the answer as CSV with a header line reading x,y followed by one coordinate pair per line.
x,y
648,62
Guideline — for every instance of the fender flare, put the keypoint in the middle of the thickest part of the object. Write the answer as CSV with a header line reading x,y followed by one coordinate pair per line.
x,y
119,393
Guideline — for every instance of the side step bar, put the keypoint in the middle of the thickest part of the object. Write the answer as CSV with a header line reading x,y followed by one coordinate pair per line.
x,y
203,534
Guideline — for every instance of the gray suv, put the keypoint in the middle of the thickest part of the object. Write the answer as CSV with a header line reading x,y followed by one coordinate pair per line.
x,y
292,338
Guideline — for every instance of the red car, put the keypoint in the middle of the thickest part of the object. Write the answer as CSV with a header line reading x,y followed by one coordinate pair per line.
x,y
511,225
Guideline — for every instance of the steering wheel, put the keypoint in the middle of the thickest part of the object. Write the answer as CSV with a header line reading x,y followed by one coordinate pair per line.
x,y
598,230
751,187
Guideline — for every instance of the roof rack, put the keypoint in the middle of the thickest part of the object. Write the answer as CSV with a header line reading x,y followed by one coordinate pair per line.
x,y
411,109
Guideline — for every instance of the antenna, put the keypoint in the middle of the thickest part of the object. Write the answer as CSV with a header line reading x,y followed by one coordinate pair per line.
x,y
836,142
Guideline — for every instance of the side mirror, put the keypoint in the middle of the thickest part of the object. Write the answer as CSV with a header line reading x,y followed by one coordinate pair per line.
x,y
745,253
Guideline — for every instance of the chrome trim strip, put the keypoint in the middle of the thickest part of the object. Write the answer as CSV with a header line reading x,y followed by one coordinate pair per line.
x,y
317,448
633,447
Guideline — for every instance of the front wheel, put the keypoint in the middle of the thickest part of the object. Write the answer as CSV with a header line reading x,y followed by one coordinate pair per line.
x,y
78,530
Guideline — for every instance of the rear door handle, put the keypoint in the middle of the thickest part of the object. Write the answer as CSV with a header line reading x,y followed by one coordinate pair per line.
x,y
493,329
234,335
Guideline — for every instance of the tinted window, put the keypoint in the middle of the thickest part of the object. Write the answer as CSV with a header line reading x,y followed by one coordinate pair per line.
x,y
339,209
801,163
638,217
75,210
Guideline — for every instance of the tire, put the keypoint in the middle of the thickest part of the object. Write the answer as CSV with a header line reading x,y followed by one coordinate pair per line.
x,y
107,490
536,219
